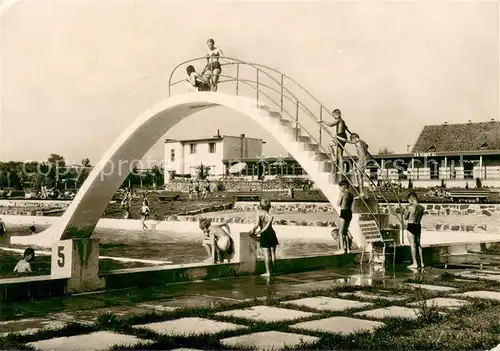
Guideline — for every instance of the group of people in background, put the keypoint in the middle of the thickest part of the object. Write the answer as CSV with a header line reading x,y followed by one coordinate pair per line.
x,y
219,245
200,189
144,210
208,79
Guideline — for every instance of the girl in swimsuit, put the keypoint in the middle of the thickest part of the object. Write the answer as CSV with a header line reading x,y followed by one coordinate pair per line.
x,y
213,64
268,239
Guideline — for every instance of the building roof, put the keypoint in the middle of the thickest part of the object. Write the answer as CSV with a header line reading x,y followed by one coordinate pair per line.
x,y
459,137
214,138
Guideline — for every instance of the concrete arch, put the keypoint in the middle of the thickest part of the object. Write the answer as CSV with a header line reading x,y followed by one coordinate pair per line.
x,y
107,176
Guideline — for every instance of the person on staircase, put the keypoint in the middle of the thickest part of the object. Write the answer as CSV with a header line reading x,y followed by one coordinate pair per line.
x,y
337,146
213,67
363,154
345,204
413,216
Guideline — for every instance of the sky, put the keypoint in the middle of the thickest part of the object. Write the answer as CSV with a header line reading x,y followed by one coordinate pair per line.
x,y
75,74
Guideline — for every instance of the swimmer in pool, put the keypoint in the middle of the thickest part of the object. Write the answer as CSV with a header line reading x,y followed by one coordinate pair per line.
x,y
216,241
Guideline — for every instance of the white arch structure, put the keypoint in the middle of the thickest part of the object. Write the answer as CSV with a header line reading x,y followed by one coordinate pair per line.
x,y
81,217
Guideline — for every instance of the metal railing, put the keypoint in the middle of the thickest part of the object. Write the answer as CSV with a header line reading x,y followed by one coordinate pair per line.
x,y
262,84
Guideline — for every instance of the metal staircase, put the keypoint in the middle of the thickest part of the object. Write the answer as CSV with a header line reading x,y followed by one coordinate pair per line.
x,y
297,116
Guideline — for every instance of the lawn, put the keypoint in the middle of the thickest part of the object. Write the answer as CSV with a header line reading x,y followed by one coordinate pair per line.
x,y
471,327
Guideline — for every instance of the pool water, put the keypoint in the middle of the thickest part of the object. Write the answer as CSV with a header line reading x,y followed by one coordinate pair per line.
x,y
177,248
186,248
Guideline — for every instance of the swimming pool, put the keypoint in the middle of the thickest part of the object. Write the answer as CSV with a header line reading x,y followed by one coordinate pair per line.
x,y
179,247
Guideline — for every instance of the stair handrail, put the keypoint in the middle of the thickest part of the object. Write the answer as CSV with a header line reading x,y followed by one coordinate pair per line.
x,y
258,67
313,139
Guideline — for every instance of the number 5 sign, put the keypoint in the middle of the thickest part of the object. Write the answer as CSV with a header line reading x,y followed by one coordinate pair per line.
x,y
62,260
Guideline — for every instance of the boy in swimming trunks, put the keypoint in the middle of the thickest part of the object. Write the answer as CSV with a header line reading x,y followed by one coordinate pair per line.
x,y
345,203
196,80
217,241
413,217
362,151
338,145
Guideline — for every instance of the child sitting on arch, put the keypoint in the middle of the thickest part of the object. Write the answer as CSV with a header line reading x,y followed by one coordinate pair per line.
x,y
196,80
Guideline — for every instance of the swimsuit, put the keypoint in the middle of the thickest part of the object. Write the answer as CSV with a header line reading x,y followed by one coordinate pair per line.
x,y
342,135
346,215
414,228
213,60
268,237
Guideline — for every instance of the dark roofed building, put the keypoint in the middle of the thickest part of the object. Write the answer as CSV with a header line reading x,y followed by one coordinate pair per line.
x,y
459,137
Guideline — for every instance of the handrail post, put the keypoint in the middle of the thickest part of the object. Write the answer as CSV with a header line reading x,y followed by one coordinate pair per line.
x,y
237,78
297,121
257,80
281,97
320,119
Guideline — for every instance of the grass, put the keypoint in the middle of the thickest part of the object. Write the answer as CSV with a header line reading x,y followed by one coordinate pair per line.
x,y
471,327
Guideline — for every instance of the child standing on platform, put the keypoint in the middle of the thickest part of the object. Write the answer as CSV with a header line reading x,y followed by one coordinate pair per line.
x,y
268,240
345,203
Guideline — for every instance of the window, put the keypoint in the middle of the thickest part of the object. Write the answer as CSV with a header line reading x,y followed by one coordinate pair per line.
x,y
211,148
172,155
192,148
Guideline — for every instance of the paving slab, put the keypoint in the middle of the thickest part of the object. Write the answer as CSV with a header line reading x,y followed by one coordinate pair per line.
x,y
29,326
190,326
324,303
339,325
480,294
190,301
91,316
442,302
266,314
431,287
101,340
390,312
158,307
479,275
269,340
319,285
378,295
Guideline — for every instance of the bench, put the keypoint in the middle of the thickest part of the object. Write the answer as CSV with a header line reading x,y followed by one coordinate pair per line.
x,y
247,197
477,195
167,198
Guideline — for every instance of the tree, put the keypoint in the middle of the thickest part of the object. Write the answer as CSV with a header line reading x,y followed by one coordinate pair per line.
x,y
202,171
385,151
56,160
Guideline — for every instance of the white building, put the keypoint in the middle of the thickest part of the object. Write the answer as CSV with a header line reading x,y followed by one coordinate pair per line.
x,y
184,156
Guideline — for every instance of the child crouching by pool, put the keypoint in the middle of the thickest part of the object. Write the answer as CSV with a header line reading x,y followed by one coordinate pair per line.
x,y
24,265
217,241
